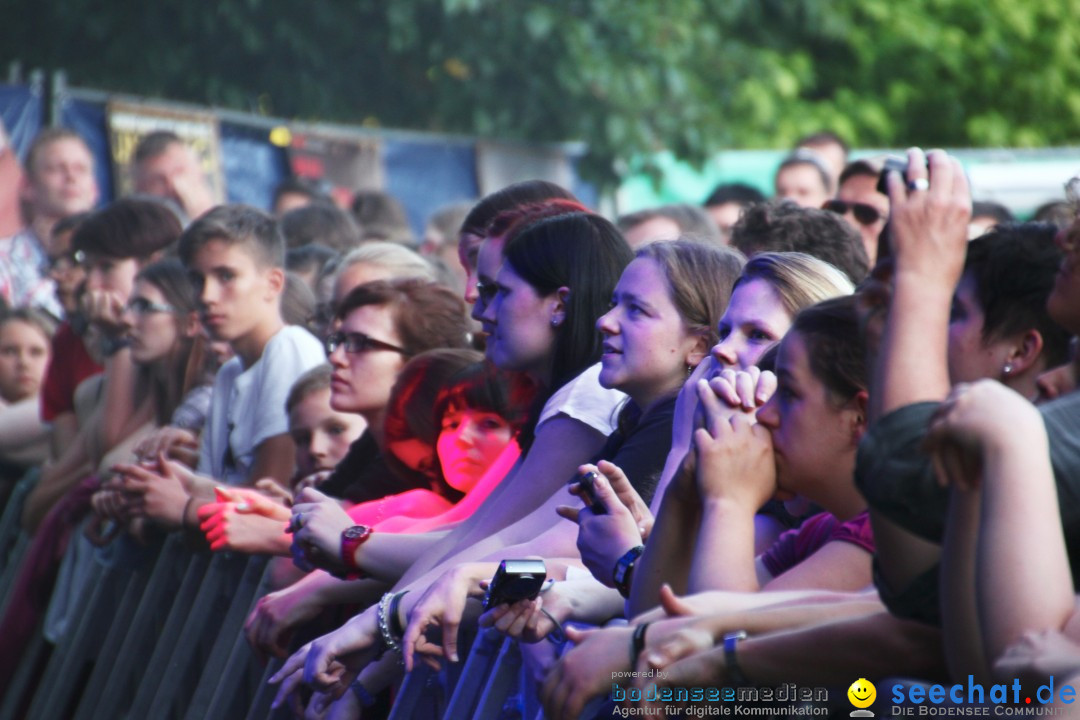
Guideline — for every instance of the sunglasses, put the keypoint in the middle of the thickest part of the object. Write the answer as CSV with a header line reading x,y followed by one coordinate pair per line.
x,y
486,292
864,214
63,262
355,342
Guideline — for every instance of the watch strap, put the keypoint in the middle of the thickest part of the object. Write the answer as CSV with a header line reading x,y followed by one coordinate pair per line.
x,y
731,662
352,538
624,566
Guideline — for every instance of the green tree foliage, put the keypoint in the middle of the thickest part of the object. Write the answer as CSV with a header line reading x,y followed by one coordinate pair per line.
x,y
626,76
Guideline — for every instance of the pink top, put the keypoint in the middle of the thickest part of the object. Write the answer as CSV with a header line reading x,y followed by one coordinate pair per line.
x,y
794,546
417,511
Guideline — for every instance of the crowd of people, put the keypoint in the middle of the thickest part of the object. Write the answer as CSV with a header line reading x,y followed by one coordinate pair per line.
x,y
823,436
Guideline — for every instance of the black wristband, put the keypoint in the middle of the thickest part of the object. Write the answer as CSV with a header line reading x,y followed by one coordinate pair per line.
x,y
637,643
395,621
622,574
734,671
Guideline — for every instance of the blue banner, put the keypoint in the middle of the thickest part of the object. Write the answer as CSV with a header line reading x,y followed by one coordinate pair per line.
x,y
252,166
21,110
428,176
88,120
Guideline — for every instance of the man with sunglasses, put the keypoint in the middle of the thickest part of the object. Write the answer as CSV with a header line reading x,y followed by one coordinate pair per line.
x,y
861,204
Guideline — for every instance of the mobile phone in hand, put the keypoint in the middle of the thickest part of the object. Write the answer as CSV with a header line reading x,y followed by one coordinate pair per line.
x,y
587,481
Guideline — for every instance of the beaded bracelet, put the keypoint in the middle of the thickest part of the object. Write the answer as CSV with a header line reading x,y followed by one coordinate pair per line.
x,y
384,623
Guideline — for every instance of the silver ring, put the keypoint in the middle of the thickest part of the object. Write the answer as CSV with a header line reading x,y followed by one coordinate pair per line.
x,y
918,184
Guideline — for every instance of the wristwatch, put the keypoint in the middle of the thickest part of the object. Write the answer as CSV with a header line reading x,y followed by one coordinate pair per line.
x,y
351,539
624,568
734,672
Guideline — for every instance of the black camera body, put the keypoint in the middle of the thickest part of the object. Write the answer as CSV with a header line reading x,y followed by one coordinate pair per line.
x,y
515,580
899,164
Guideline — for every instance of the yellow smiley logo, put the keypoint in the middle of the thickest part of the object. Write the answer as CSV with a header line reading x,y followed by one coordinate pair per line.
x,y
862,693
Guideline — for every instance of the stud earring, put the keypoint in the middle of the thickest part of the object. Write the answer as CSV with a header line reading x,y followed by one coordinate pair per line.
x,y
554,322
1007,370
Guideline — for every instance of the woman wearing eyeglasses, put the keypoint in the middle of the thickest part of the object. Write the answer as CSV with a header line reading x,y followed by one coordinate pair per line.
x,y
173,376
379,327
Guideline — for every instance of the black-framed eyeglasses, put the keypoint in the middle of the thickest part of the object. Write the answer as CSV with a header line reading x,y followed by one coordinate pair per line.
x,y
864,214
355,342
142,306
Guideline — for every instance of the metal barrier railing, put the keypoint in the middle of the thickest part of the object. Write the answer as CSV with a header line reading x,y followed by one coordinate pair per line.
x,y
166,639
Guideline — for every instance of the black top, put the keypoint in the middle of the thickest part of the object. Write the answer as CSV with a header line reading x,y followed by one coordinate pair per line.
x,y
363,475
896,476
641,444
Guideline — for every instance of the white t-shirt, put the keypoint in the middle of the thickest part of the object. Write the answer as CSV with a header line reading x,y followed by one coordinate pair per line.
x,y
585,400
248,406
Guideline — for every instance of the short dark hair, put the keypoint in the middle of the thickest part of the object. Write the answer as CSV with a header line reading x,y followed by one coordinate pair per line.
x,y
128,228
823,137
693,222
319,223
806,157
46,138
381,217
988,208
1013,267
859,168
426,315
739,193
786,227
309,258
509,197
241,225
153,144
300,186
834,345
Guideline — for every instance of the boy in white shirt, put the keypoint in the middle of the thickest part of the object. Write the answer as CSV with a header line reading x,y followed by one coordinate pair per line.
x,y
235,256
